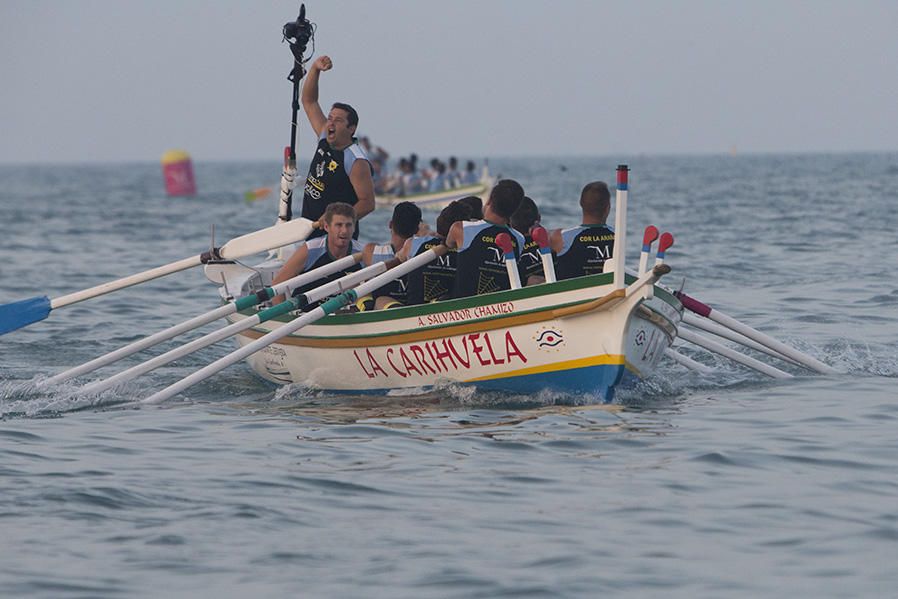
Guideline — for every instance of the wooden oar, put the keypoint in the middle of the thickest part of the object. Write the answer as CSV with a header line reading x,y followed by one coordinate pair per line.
x,y
317,294
732,354
702,309
648,238
721,331
237,305
620,227
22,313
664,244
541,237
328,307
503,240
687,362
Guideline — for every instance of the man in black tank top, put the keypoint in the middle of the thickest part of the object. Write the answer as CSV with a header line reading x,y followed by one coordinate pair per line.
x,y
435,281
403,226
583,250
340,170
481,261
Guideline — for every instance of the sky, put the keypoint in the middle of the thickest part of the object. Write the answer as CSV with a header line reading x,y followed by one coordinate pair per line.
x,y
124,80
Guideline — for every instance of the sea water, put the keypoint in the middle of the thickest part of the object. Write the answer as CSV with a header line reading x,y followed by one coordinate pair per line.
x,y
725,485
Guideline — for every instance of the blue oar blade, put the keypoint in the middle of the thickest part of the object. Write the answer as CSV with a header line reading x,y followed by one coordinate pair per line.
x,y
22,313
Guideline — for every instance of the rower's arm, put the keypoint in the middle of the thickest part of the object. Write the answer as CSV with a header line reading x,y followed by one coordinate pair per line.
x,y
367,253
404,251
363,184
456,236
309,94
291,268
556,241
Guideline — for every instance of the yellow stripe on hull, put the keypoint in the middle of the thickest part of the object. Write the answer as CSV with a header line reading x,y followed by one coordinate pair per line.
x,y
607,359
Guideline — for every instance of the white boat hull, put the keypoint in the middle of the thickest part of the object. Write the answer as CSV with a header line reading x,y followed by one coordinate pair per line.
x,y
438,200
576,336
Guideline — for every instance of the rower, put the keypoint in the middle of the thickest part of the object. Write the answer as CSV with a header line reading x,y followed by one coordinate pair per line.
x,y
583,250
435,281
481,263
339,225
530,264
475,204
404,224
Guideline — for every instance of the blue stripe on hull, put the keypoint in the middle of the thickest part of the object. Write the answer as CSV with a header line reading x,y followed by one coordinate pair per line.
x,y
598,381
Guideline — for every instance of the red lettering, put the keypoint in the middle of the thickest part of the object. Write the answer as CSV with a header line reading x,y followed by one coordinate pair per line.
x,y
390,360
422,361
375,367
510,345
476,348
489,346
408,363
432,357
444,354
466,362
370,374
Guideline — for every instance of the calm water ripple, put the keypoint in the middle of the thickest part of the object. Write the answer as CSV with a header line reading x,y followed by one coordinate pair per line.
x,y
729,485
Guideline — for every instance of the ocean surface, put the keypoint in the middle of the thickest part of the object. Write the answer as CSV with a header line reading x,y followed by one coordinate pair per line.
x,y
725,485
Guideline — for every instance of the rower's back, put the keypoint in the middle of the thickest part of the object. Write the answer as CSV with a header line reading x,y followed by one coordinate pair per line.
x,y
435,281
481,261
583,250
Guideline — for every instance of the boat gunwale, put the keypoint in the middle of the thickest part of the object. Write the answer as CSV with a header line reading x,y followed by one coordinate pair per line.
x,y
486,323
473,301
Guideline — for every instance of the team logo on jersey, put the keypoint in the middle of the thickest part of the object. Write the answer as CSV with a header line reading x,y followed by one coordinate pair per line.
x,y
602,253
332,166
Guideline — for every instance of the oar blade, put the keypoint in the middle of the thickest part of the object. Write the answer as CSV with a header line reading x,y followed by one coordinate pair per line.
x,y
23,313
266,239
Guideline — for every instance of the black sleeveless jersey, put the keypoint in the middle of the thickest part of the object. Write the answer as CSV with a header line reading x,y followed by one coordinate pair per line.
x,y
328,181
584,251
435,281
481,263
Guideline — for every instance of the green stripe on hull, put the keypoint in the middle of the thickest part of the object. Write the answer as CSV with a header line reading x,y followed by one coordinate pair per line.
x,y
489,298
361,318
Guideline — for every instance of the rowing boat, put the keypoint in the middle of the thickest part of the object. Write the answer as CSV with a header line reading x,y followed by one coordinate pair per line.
x,y
437,200
580,336
584,336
